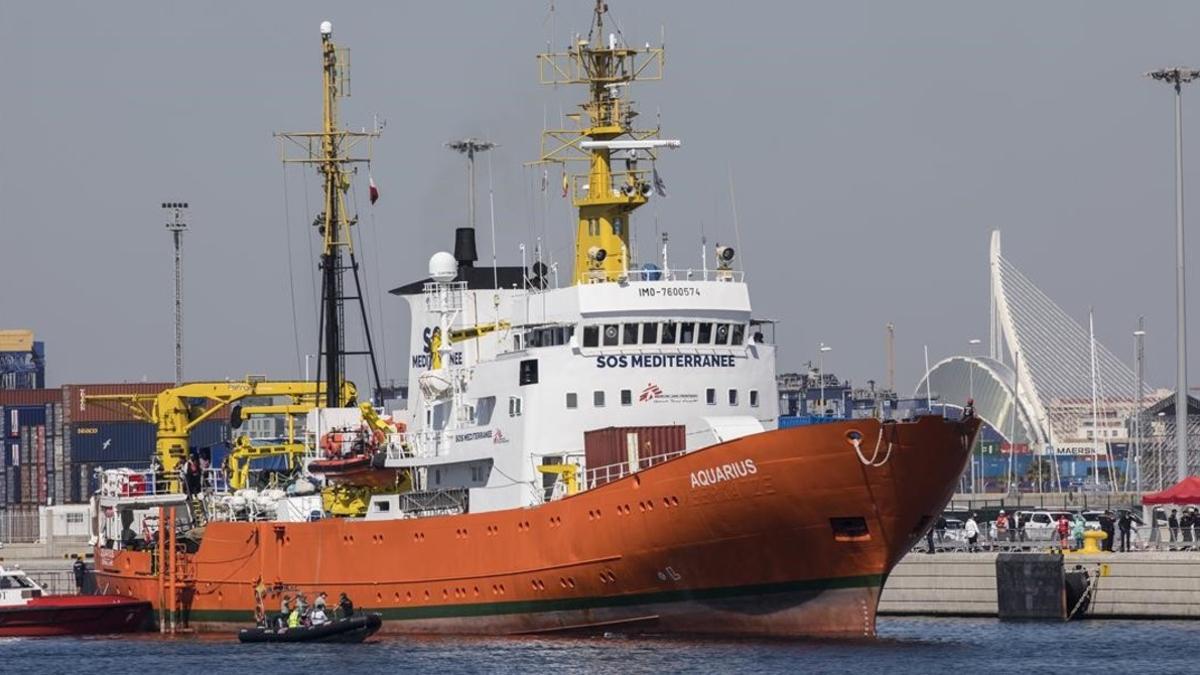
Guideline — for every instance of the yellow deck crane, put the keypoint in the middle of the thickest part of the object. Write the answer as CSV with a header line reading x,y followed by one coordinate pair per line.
x,y
175,412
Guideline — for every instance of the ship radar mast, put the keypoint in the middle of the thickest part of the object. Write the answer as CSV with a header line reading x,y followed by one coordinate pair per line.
x,y
330,151
604,132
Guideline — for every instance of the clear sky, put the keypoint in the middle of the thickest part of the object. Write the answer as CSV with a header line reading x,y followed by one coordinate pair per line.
x,y
873,145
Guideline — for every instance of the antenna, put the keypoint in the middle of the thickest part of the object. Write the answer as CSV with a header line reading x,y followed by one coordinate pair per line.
x,y
891,356
177,226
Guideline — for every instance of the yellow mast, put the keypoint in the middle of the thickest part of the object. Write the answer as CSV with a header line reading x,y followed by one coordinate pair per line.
x,y
604,198
329,150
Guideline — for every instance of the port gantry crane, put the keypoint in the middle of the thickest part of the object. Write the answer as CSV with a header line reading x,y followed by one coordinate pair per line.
x,y
175,412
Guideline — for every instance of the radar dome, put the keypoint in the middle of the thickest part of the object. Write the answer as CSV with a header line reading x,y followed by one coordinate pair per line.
x,y
326,28
443,267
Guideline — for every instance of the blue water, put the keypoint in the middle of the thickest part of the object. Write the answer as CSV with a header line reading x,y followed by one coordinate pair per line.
x,y
939,646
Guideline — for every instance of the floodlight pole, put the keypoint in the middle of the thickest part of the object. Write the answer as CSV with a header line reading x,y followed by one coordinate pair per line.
x,y
1139,353
1177,77
468,147
177,226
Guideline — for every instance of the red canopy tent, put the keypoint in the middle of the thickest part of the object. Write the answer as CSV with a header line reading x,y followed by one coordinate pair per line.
x,y
1186,491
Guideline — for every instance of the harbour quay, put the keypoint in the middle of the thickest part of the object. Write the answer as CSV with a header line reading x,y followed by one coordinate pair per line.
x,y
1134,585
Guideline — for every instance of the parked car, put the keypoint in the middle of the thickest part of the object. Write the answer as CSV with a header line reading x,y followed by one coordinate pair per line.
x,y
1092,518
1040,525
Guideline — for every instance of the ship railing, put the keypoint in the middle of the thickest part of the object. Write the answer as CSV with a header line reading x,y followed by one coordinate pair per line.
x,y
133,483
216,481
404,445
434,502
655,274
629,184
597,476
444,297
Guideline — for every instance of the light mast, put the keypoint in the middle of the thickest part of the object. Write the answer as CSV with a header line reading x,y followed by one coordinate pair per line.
x,y
329,151
603,197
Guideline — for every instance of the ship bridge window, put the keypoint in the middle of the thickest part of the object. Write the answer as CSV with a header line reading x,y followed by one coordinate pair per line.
x,y
572,400
733,397
514,406
668,332
598,398
753,398
738,334
631,334
528,372
591,336
710,396
722,336
649,333
704,333
687,332
626,397
612,335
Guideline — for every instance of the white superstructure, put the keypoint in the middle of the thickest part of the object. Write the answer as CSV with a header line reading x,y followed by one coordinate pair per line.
x,y
526,371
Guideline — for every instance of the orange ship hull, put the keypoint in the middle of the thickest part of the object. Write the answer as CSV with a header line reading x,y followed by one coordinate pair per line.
x,y
789,532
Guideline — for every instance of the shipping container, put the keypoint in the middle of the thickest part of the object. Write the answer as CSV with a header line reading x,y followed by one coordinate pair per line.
x,y
14,485
54,421
132,441
79,482
27,486
17,416
619,445
38,436
30,397
79,409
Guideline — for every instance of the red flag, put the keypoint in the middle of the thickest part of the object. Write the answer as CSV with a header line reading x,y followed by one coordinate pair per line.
x,y
374,190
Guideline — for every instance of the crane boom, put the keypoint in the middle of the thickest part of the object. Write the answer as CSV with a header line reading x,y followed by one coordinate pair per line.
x,y
175,415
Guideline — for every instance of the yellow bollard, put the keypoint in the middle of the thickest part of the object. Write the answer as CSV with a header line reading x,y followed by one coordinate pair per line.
x,y
1091,541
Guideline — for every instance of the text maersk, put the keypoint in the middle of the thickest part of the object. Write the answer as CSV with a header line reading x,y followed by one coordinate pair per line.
x,y
666,361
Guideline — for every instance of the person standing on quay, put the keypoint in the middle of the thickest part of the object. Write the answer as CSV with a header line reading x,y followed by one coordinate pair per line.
x,y
1173,526
1125,522
1002,527
1108,528
1185,528
971,529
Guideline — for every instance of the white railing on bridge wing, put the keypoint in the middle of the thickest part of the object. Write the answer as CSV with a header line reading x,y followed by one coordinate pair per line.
x,y
600,475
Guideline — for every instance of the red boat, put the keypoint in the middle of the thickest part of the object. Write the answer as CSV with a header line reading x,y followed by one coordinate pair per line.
x,y
26,611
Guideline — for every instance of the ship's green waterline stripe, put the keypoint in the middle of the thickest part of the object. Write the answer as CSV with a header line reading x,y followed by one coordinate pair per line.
x,y
453,611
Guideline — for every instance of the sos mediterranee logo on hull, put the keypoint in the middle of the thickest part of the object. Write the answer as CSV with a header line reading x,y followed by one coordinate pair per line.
x,y
431,342
665,361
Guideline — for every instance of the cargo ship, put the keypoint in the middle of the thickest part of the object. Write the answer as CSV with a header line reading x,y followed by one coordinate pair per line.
x,y
602,455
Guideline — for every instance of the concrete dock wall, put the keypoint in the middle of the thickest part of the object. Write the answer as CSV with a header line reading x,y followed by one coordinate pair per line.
x,y
943,584
1127,585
